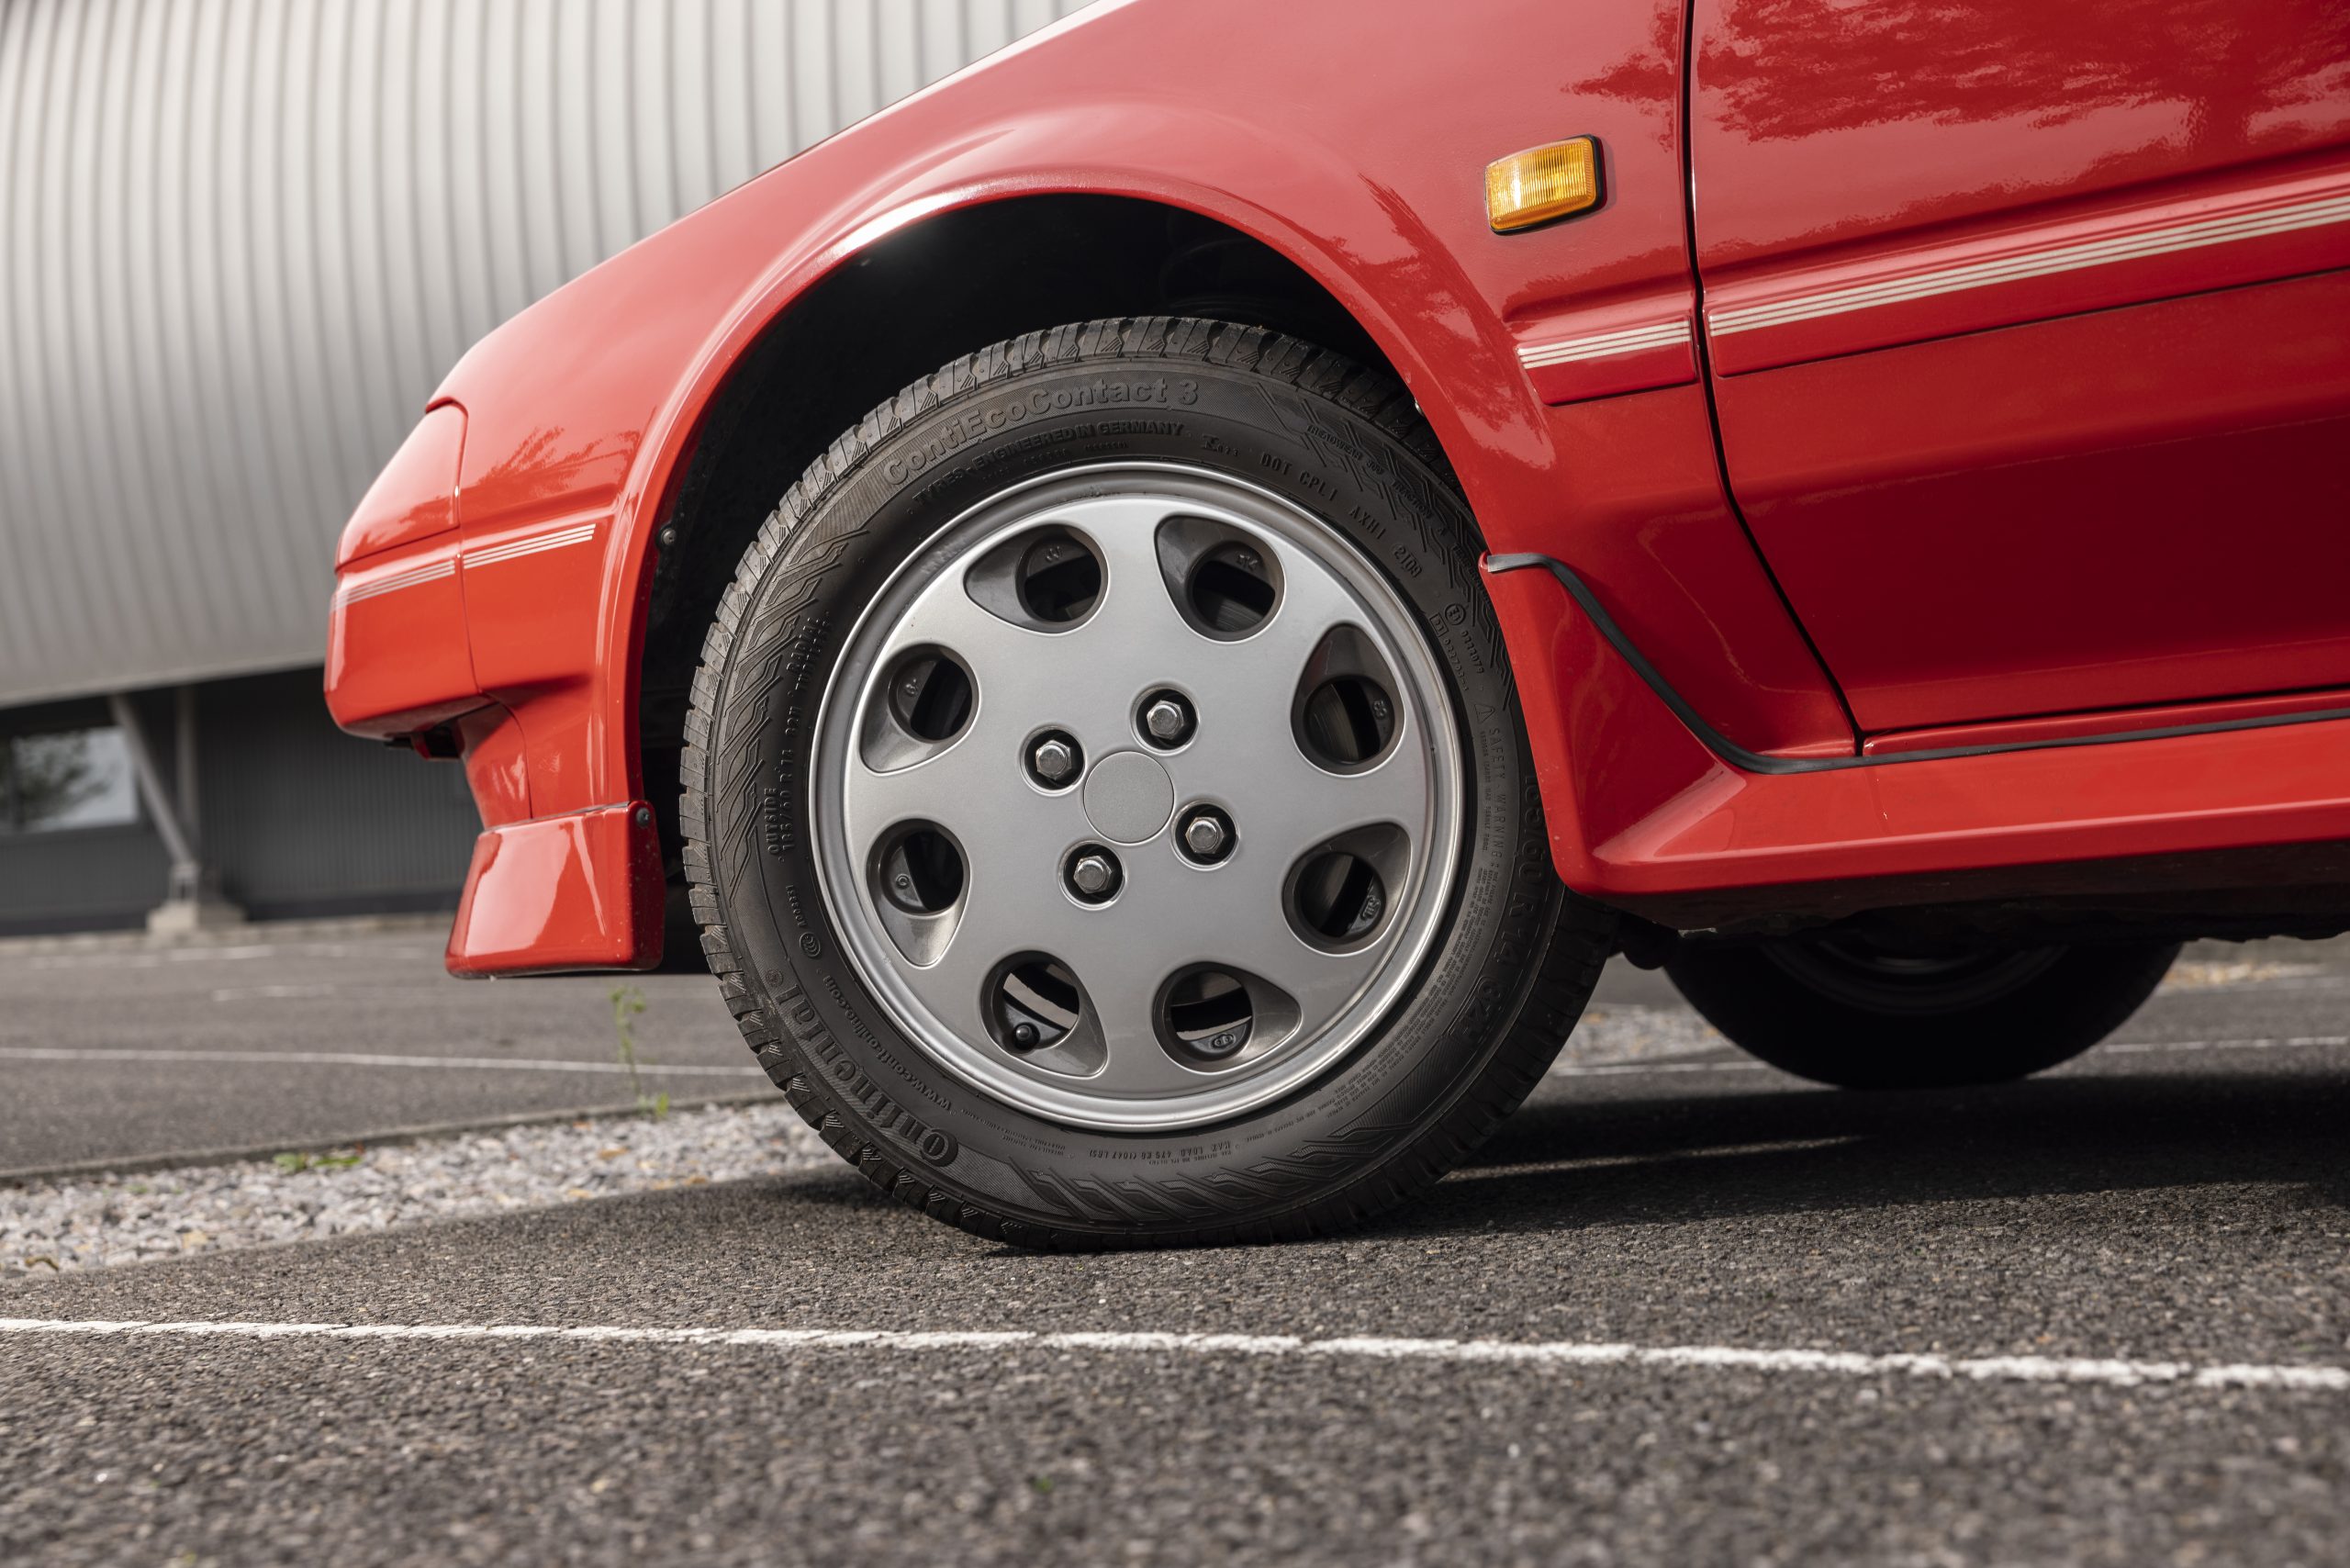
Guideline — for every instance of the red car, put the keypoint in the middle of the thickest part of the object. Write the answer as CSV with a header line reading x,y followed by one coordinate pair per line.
x,y
1305,528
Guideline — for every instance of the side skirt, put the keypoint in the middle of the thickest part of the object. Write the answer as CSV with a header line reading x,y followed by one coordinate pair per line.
x,y
1746,761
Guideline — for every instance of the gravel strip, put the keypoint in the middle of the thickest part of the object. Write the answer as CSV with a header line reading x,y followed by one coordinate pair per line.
x,y
100,1221
1626,1033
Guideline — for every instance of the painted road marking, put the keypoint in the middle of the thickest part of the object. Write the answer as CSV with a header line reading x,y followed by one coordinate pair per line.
x,y
269,992
110,960
555,1064
1553,1353
2131,1047
2263,1044
364,1059
1624,1069
1622,1162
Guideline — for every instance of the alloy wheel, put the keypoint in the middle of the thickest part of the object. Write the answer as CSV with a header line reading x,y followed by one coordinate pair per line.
x,y
1138,797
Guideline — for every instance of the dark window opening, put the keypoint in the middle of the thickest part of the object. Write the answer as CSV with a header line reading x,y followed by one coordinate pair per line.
x,y
70,778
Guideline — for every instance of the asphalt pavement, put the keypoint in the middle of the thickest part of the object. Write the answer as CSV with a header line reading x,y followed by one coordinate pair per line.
x,y
1681,1309
261,1040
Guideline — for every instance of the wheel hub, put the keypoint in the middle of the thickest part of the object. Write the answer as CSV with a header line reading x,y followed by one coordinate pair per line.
x,y
1129,797
1138,797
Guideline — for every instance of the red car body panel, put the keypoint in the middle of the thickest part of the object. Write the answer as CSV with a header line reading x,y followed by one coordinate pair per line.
x,y
1559,367
415,497
1996,300
2155,514
1643,813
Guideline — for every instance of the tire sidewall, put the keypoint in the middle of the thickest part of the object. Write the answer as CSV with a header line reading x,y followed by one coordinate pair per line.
x,y
918,470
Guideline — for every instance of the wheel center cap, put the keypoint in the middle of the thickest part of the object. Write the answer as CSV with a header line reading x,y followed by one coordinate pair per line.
x,y
1128,797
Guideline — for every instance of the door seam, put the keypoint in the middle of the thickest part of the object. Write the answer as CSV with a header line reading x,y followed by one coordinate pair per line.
x,y
1699,341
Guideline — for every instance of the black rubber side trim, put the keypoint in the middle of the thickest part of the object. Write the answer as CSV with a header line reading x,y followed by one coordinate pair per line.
x,y
1746,761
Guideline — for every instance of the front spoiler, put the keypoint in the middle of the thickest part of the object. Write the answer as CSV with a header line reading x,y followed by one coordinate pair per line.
x,y
583,890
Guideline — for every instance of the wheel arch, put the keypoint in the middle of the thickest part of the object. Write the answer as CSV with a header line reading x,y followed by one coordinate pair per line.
x,y
949,283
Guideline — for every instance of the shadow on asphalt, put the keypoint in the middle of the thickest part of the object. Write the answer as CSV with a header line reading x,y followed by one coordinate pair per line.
x,y
1556,1167
1561,1165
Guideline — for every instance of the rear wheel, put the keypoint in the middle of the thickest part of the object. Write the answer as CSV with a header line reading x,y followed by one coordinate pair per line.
x,y
1107,805
1849,1012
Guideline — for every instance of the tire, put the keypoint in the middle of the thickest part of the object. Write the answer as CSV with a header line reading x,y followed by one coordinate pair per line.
x,y
1847,1013
1005,1134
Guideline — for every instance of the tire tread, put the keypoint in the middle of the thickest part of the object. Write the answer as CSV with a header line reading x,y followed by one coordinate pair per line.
x,y
1578,940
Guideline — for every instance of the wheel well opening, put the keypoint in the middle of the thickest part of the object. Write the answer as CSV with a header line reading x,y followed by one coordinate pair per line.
x,y
948,286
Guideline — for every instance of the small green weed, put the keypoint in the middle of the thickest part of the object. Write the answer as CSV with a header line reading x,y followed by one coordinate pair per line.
x,y
627,1005
295,1162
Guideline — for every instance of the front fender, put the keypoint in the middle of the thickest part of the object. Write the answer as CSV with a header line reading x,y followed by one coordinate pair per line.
x,y
1348,137
582,410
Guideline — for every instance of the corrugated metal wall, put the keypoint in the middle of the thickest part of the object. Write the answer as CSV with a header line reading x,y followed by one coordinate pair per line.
x,y
300,819
241,240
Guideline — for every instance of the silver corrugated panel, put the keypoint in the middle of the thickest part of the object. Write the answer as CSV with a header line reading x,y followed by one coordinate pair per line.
x,y
241,240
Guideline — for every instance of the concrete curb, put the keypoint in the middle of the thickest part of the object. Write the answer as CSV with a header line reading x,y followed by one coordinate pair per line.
x,y
325,928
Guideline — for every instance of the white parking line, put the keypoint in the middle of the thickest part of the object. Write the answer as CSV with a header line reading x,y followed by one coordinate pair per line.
x,y
557,1064
269,992
112,959
1628,1068
1552,1354
367,1058
2272,1045
1622,1069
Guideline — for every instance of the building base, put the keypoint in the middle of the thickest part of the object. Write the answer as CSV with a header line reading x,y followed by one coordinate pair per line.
x,y
179,917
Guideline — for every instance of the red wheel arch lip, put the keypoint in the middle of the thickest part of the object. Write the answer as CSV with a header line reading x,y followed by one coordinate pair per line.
x,y
632,474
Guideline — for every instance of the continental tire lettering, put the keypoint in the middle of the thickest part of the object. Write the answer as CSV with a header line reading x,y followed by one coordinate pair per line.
x,y
885,1114
1165,392
951,437
1101,392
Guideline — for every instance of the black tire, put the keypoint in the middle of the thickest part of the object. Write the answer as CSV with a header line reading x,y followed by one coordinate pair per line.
x,y
1517,955
1845,1014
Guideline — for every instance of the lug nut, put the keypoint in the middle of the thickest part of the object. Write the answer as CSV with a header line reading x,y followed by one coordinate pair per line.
x,y
1054,760
1207,834
1093,875
1167,719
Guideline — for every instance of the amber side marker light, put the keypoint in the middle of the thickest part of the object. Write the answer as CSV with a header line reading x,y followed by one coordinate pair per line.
x,y
1542,182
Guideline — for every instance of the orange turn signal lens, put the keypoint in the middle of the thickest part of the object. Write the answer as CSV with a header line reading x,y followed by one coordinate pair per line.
x,y
1542,182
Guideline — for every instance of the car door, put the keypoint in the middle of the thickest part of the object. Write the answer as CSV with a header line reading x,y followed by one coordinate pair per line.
x,y
2030,341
